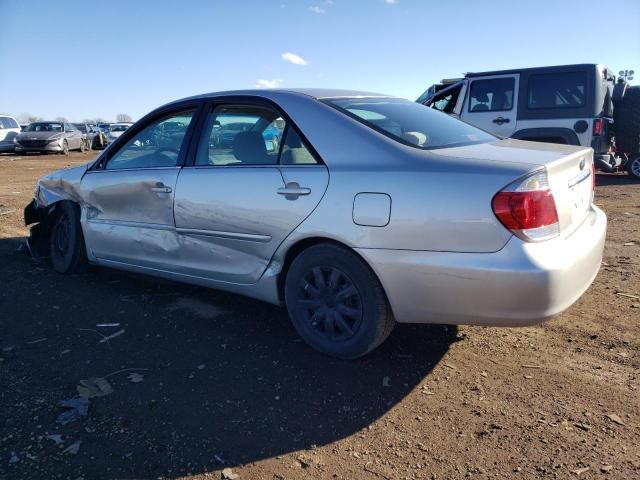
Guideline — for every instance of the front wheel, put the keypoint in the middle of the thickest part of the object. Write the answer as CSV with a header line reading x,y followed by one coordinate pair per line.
x,y
336,302
83,146
633,167
66,242
65,148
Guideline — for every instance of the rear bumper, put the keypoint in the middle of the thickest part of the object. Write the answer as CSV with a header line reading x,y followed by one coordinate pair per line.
x,y
522,284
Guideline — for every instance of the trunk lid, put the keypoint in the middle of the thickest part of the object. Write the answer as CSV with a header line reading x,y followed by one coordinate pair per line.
x,y
569,170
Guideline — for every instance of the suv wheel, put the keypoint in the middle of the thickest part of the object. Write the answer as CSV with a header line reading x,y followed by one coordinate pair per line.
x,y
336,302
633,167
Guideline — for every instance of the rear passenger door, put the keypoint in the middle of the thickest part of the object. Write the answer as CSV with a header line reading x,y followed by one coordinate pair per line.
x,y
252,181
492,104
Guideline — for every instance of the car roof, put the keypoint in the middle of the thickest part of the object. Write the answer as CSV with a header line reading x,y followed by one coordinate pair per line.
x,y
275,93
530,69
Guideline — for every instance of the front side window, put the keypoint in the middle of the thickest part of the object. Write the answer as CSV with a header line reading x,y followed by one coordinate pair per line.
x,y
410,123
492,95
557,90
153,146
241,135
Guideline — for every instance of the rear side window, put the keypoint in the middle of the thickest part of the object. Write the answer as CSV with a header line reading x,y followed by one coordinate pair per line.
x,y
557,90
492,95
241,135
410,123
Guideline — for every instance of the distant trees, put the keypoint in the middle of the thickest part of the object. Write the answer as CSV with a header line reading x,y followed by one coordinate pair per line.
x,y
61,119
27,118
123,117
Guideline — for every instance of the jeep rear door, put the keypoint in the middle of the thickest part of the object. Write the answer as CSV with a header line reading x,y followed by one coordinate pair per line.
x,y
491,103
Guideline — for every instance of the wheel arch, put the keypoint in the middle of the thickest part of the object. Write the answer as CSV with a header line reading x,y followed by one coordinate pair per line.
x,y
303,244
40,220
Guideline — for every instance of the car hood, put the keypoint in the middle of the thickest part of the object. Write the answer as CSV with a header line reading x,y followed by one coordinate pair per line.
x,y
38,135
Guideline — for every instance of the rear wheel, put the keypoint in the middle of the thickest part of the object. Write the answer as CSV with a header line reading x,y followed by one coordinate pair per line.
x,y
633,167
66,242
336,302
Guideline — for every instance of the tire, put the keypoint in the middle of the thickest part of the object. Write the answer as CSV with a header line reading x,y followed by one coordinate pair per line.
x,y
66,241
82,146
65,148
626,122
336,302
633,167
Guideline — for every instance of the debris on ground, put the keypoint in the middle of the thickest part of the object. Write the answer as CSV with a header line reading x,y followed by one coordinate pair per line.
x,y
386,382
77,407
94,387
104,325
14,458
227,474
113,335
57,438
39,340
135,377
73,449
614,418
580,471
606,468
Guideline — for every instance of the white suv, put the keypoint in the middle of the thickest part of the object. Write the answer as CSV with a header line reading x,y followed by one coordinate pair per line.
x,y
9,128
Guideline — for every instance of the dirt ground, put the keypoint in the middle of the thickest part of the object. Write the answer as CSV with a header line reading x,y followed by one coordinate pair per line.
x,y
224,382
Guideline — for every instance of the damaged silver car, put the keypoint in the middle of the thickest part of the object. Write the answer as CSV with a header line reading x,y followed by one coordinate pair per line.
x,y
357,211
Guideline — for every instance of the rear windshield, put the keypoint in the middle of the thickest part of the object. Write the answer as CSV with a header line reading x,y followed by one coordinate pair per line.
x,y
410,123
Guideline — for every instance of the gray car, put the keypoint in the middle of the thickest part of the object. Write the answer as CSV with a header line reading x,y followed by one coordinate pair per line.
x,y
372,210
45,137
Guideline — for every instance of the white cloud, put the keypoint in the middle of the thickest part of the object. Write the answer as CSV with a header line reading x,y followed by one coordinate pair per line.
x,y
316,9
293,58
260,83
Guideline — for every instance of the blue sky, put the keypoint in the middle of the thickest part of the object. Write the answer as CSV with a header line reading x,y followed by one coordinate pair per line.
x,y
92,58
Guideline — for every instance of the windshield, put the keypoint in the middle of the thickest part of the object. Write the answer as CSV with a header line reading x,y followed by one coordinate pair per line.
x,y
44,127
410,123
80,126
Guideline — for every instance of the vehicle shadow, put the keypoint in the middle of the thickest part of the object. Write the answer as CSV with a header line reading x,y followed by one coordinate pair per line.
x,y
226,380
614,179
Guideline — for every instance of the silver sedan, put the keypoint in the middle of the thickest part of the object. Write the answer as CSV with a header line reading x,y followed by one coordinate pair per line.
x,y
353,210
55,137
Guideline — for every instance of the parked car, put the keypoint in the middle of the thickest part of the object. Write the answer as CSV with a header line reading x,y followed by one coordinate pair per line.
x,y
44,137
426,219
89,133
568,104
115,130
9,129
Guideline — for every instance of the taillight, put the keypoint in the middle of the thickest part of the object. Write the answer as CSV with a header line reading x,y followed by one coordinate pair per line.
x,y
598,125
527,208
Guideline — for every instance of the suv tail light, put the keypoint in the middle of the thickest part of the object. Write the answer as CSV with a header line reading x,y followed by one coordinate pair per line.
x,y
527,208
598,125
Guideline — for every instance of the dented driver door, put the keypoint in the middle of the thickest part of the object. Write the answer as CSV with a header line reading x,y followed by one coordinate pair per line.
x,y
128,210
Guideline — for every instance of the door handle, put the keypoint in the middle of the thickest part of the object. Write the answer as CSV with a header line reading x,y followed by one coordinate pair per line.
x,y
161,189
292,190
501,120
